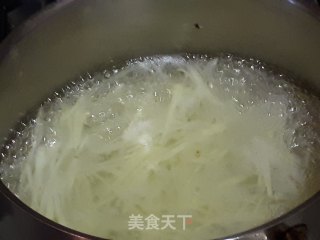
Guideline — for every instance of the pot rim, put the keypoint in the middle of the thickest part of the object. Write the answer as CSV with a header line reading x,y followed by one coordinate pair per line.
x,y
37,20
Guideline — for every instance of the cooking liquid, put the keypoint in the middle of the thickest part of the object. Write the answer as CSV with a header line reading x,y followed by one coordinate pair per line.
x,y
226,141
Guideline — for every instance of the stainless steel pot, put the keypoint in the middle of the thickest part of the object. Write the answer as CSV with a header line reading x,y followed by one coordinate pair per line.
x,y
75,36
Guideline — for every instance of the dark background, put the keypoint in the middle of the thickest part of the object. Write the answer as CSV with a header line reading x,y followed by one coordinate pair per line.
x,y
14,12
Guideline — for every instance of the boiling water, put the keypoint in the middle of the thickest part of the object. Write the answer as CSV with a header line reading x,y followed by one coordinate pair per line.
x,y
225,142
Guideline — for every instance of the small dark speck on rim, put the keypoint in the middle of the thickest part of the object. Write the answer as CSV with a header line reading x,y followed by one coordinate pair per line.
x,y
197,26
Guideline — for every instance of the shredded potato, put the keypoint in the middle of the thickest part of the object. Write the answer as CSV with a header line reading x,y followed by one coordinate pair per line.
x,y
165,136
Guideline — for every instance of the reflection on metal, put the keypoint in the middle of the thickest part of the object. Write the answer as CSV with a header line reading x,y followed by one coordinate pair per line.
x,y
253,236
